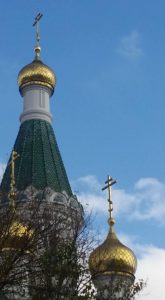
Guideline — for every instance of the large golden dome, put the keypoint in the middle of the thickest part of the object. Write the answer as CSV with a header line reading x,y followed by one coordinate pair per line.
x,y
112,257
36,73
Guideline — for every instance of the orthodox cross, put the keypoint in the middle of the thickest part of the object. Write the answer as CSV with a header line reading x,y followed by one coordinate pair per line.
x,y
12,192
36,23
109,182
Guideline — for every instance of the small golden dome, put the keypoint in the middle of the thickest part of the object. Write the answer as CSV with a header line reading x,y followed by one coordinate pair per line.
x,y
19,230
17,236
112,257
36,73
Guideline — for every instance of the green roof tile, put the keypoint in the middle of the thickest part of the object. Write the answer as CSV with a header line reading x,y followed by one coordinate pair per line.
x,y
40,163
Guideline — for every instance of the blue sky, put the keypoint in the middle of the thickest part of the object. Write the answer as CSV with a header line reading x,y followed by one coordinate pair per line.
x,y
108,107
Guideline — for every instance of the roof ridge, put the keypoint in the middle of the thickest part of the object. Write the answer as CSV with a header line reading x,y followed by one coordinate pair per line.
x,y
43,155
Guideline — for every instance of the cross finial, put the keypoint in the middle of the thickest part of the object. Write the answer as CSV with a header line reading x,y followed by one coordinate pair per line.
x,y
36,23
109,182
12,192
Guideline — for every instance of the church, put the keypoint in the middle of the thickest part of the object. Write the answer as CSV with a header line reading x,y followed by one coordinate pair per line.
x,y
36,173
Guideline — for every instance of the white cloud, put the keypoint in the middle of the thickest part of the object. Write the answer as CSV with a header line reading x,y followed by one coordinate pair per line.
x,y
151,267
130,45
146,201
151,199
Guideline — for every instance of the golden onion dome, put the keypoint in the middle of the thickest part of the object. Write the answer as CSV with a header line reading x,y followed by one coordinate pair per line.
x,y
17,236
19,230
36,73
112,257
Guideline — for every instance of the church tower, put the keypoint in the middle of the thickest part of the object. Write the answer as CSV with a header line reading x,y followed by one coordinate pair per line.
x,y
112,264
42,208
39,168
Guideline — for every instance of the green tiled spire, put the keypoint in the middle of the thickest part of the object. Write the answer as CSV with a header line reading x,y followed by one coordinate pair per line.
x,y
40,163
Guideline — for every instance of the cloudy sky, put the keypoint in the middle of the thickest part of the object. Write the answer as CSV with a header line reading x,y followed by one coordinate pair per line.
x,y
108,107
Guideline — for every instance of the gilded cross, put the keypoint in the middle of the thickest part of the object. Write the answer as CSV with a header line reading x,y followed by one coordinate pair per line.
x,y
12,192
108,185
36,23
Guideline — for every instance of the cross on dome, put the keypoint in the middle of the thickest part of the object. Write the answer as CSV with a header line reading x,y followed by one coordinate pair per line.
x,y
36,23
109,182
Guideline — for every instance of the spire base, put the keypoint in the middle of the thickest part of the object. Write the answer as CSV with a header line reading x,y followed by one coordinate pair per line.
x,y
37,50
